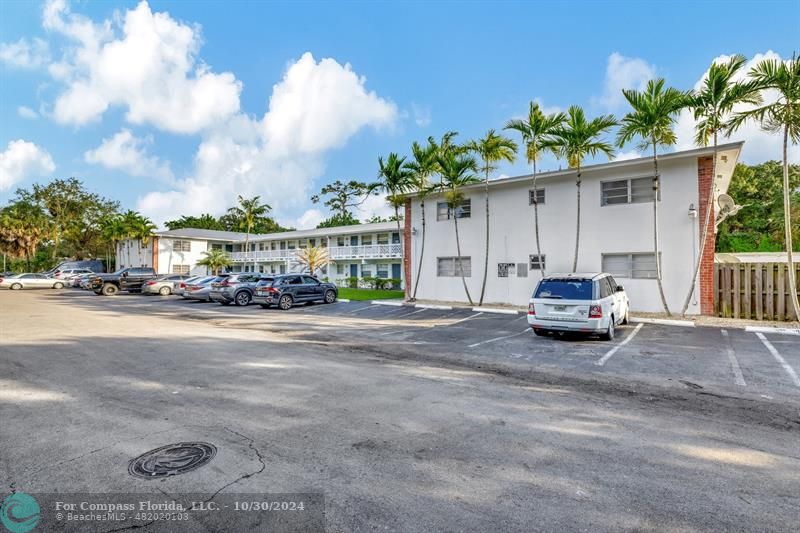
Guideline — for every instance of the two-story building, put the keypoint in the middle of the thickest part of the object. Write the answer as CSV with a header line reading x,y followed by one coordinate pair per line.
x,y
616,232
358,251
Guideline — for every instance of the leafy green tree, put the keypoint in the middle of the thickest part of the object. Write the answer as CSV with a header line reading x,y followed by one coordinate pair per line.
x,y
216,260
113,232
395,181
781,117
341,197
652,119
204,221
574,140
457,171
422,167
23,225
711,106
491,149
536,131
338,219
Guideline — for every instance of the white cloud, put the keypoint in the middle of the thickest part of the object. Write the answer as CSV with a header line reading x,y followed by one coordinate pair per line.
x,y
24,54
128,153
624,156
623,73
422,114
309,219
146,63
27,112
317,107
23,159
759,146
375,206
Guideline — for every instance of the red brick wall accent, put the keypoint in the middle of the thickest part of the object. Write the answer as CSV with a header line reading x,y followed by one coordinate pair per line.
x,y
407,248
154,243
705,180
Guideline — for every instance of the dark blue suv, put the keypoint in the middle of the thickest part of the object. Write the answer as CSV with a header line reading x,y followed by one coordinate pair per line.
x,y
288,289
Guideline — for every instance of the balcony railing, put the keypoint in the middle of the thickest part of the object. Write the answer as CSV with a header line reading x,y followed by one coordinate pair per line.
x,y
374,251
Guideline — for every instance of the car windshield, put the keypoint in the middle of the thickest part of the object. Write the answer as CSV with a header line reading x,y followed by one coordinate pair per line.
x,y
564,289
265,282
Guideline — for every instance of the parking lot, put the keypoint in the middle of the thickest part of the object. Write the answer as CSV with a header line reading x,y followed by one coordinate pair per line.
x,y
404,419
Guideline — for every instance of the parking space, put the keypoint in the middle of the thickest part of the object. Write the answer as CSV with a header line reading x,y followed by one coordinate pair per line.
x,y
732,360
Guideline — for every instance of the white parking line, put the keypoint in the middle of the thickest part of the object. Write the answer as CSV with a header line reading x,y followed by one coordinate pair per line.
x,y
462,320
782,331
495,310
360,309
614,350
526,330
737,370
411,313
433,306
789,370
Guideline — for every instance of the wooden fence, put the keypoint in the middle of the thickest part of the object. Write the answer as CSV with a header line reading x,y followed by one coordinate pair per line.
x,y
753,290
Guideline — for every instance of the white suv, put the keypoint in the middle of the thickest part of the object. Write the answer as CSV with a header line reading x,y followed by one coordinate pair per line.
x,y
588,303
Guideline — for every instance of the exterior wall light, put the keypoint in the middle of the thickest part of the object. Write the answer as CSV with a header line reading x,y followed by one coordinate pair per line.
x,y
692,211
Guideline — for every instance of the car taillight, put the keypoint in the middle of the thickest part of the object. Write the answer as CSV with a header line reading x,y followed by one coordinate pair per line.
x,y
531,309
150,283
273,290
183,285
224,283
595,311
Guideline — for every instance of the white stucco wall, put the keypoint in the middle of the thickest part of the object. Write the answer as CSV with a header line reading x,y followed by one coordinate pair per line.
x,y
626,228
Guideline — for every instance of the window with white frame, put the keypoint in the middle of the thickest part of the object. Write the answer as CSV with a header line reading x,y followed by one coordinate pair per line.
x,y
627,191
635,265
181,246
383,271
216,246
367,271
537,262
366,240
180,269
505,270
340,241
448,267
536,196
340,269
462,210
383,238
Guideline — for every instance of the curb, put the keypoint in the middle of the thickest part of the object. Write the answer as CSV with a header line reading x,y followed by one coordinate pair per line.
x,y
664,322
388,302
765,329
495,310
345,300
433,306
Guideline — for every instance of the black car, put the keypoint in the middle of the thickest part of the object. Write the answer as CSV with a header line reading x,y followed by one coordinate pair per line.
x,y
288,289
127,279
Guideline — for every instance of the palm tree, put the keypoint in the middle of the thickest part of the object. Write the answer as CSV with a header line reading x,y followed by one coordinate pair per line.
x,y
421,169
313,257
652,118
711,106
491,149
536,131
457,171
247,212
114,231
781,116
575,139
215,259
130,221
395,180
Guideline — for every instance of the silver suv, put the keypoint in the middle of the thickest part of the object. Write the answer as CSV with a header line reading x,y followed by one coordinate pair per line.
x,y
235,288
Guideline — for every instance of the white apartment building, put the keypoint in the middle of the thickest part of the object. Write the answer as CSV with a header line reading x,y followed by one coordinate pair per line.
x,y
359,251
616,231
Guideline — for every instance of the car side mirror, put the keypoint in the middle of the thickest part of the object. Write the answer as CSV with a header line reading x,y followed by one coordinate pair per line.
x,y
125,274
620,288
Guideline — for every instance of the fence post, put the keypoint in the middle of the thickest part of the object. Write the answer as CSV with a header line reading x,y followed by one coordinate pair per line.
x,y
748,293
759,292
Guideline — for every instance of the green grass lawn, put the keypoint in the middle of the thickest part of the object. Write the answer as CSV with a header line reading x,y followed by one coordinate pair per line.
x,y
368,294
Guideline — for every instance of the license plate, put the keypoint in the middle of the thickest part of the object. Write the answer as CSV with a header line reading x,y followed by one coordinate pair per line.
x,y
560,307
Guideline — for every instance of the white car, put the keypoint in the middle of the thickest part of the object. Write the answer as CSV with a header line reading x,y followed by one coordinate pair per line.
x,y
68,274
588,303
30,281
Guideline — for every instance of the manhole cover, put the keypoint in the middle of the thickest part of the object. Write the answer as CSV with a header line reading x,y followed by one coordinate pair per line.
x,y
172,460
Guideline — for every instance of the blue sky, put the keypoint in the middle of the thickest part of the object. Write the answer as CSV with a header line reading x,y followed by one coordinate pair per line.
x,y
168,143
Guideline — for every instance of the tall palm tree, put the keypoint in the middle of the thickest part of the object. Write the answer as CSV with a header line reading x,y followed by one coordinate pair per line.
x,y
492,149
215,259
457,171
536,130
575,139
130,222
248,212
421,169
711,106
654,112
395,181
780,116
114,231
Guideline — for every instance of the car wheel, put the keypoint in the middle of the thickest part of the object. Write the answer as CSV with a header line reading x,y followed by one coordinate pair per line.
x,y
164,291
16,287
109,289
243,299
627,318
609,334
266,306
58,285
540,332
223,302
330,296
285,302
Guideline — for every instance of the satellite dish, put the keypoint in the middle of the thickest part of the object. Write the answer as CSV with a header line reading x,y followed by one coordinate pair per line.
x,y
726,203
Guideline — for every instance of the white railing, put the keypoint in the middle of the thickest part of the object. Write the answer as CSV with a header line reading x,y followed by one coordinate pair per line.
x,y
374,251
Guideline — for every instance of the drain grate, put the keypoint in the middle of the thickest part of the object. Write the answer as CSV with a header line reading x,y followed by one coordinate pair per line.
x,y
172,460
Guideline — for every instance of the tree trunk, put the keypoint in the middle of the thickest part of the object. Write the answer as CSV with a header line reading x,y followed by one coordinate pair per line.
x,y
397,217
486,254
787,223
656,190
458,250
578,222
421,252
709,211
536,223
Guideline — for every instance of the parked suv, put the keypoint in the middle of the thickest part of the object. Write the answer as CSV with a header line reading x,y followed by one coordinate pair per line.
x,y
588,303
288,289
127,279
236,288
